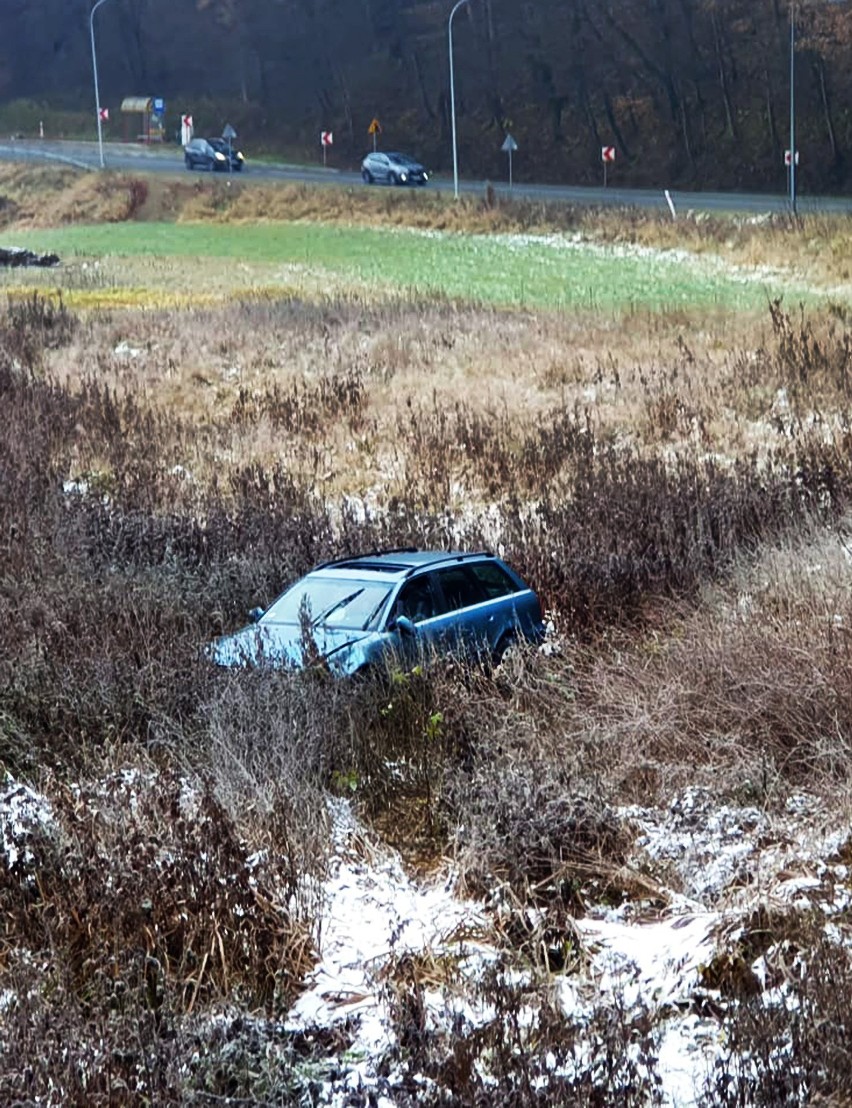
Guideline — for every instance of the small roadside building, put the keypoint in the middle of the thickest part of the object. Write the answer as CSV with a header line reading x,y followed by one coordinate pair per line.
x,y
140,123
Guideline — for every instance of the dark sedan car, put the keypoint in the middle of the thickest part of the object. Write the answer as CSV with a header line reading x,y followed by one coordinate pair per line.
x,y
355,614
222,146
392,169
201,153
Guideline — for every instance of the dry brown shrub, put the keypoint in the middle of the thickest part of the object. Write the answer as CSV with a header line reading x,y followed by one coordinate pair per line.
x,y
31,327
790,1047
527,1053
86,198
749,691
142,882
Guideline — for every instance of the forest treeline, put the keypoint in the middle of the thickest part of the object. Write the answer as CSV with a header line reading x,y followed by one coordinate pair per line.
x,y
691,93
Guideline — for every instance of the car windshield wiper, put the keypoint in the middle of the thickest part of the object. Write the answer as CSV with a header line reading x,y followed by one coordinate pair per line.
x,y
323,616
374,612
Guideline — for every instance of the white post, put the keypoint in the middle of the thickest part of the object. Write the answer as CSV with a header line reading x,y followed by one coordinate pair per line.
x,y
456,7
95,75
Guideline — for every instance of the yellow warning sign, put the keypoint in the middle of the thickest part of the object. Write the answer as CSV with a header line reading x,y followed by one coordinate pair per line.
x,y
375,128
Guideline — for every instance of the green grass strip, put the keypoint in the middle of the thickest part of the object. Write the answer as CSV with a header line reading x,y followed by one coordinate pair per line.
x,y
508,270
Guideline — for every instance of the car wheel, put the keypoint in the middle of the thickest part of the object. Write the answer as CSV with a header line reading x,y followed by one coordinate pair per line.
x,y
187,161
505,648
393,179
366,176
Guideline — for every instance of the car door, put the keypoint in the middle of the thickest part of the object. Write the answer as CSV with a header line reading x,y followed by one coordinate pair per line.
x,y
511,610
463,625
418,600
199,152
382,168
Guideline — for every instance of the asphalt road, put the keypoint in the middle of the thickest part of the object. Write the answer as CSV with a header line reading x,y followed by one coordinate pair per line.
x,y
167,159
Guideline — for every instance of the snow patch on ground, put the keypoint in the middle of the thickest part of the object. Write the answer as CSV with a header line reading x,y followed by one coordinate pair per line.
x,y
24,814
721,862
373,913
578,243
724,861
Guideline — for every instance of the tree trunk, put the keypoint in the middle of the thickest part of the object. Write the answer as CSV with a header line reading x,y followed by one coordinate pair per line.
x,y
428,110
819,66
620,141
774,140
685,130
723,79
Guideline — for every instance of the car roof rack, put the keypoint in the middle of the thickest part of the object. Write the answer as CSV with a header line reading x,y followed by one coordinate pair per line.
x,y
368,554
456,556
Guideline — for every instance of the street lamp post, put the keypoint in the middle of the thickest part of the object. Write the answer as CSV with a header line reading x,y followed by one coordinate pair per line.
x,y
95,75
793,106
793,98
456,7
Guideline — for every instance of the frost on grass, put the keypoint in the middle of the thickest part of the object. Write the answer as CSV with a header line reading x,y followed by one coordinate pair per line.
x,y
413,989
24,815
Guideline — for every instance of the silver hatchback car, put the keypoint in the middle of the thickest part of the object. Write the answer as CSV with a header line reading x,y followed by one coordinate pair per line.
x,y
392,169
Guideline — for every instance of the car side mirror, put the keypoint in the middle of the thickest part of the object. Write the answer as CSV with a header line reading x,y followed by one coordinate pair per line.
x,y
255,614
405,625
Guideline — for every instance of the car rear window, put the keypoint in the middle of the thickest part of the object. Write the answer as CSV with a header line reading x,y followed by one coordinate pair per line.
x,y
494,580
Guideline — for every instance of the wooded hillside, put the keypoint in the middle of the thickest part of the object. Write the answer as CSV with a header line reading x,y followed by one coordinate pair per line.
x,y
692,93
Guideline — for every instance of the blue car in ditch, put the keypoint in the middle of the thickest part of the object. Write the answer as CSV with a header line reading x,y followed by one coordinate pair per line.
x,y
361,613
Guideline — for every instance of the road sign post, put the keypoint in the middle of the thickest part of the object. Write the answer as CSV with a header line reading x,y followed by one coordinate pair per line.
x,y
326,140
374,129
607,156
185,129
229,134
509,147
791,169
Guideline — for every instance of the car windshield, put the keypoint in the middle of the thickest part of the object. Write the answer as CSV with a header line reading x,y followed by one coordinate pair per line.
x,y
330,602
403,159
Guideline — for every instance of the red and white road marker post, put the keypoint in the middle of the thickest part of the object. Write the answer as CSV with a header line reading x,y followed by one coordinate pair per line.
x,y
607,157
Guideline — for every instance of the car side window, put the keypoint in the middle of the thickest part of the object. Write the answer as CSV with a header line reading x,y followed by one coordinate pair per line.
x,y
460,588
494,580
417,600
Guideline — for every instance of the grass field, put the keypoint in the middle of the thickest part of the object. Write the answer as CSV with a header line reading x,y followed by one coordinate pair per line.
x,y
555,272
651,422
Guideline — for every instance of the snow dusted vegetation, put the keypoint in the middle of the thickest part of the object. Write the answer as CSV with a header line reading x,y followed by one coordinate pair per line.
x,y
653,963
406,966
614,871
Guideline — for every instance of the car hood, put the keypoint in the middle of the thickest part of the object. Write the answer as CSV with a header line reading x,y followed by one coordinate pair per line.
x,y
281,645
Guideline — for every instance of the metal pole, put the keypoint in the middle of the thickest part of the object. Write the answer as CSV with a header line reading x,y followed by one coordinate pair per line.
x,y
453,98
95,74
793,105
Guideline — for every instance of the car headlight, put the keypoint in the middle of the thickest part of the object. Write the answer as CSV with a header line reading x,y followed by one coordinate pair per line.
x,y
403,177
240,156
220,157
425,176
